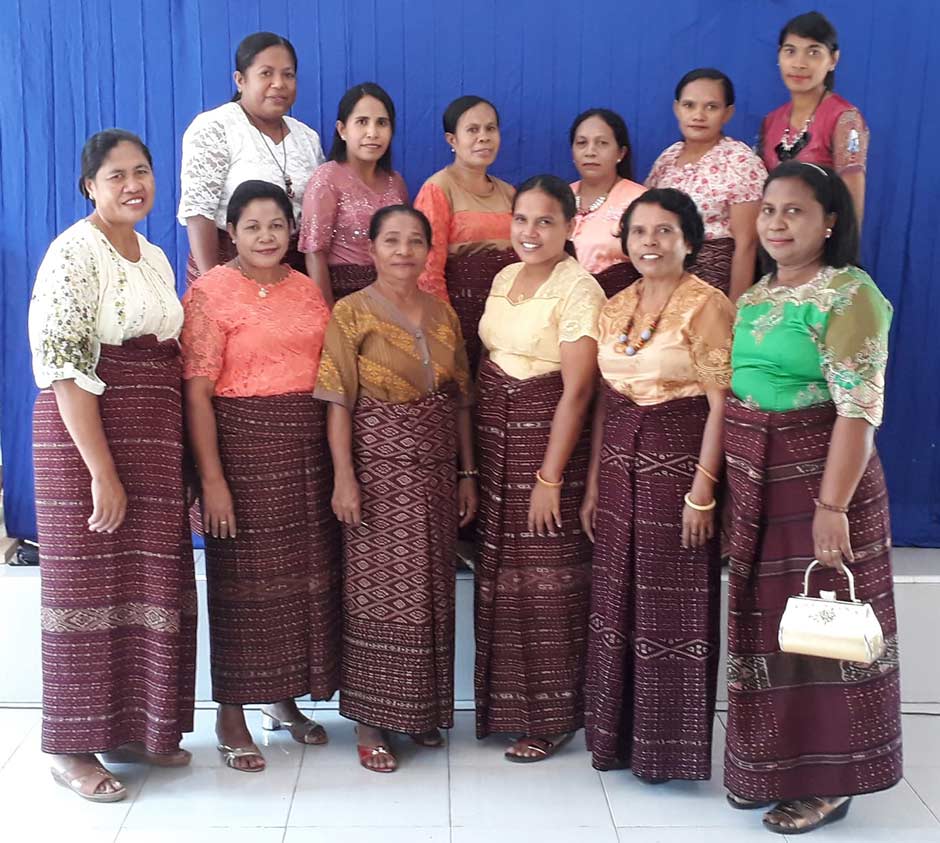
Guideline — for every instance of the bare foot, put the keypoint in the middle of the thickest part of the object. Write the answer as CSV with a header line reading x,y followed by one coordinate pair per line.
x,y
232,731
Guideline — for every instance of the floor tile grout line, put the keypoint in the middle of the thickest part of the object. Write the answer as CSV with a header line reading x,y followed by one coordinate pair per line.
x,y
148,773
293,795
923,801
22,741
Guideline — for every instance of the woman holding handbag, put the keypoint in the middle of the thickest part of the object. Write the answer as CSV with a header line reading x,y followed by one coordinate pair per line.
x,y
808,364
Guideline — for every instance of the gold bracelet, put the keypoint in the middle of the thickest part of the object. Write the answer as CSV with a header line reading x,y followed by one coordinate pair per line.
x,y
829,507
706,472
708,507
544,482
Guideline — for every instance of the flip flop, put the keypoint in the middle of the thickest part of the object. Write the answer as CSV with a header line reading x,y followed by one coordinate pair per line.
x,y
88,783
543,746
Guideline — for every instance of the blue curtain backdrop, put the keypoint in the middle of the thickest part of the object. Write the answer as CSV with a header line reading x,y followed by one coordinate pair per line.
x,y
73,67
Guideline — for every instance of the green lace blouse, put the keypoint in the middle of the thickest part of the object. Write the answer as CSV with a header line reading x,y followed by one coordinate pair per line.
x,y
826,340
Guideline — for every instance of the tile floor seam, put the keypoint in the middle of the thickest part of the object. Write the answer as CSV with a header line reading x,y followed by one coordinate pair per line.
x,y
293,795
147,773
22,740
923,801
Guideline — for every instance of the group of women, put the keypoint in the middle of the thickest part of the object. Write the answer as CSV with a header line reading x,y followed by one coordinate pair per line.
x,y
561,363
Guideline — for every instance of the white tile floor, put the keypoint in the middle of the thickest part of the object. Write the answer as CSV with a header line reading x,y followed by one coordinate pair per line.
x,y
465,793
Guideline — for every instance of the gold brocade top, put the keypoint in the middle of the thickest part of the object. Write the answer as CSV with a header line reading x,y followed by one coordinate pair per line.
x,y
372,348
689,352
524,339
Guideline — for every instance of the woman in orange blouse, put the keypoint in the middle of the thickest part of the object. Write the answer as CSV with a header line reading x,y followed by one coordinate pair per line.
x,y
469,212
664,353
394,373
251,343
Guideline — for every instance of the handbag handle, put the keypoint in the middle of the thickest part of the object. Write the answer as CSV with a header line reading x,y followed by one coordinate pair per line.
x,y
848,575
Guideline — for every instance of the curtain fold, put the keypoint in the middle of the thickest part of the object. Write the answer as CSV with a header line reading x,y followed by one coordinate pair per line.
x,y
150,66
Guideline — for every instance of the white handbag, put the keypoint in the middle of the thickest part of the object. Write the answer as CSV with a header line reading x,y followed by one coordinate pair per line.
x,y
832,629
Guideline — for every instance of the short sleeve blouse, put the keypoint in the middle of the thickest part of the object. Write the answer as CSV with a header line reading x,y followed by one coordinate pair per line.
x,y
524,339
221,149
87,294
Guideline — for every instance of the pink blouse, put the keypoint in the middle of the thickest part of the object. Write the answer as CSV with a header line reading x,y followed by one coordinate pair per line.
x,y
338,206
838,136
728,174
596,235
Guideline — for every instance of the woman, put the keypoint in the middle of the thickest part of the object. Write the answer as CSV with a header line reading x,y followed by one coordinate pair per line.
x,y
817,125
343,194
600,147
394,373
533,576
809,357
469,211
118,591
251,347
250,137
723,176
664,355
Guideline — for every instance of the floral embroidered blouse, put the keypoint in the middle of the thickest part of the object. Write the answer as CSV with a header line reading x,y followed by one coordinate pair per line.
x,y
524,339
86,294
338,207
250,344
826,340
689,352
221,149
373,349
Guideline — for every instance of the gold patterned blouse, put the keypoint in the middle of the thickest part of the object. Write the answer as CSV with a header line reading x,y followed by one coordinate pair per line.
x,y
524,339
373,349
689,352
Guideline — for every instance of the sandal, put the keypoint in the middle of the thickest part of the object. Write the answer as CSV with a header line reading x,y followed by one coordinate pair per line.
x,y
304,730
368,753
135,753
86,785
230,754
800,816
432,739
543,746
741,804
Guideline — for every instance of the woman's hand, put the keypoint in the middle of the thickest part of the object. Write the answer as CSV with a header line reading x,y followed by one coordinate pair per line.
x,y
588,512
831,543
697,527
110,503
468,500
218,510
346,502
545,509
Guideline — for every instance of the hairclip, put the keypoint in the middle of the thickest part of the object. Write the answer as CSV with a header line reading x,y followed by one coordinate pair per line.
x,y
815,167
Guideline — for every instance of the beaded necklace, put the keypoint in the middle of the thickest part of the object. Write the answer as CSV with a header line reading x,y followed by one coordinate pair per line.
x,y
624,345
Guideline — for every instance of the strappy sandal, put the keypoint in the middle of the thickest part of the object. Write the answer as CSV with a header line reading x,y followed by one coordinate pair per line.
x,y
432,739
543,746
739,803
136,754
304,730
231,753
800,816
86,785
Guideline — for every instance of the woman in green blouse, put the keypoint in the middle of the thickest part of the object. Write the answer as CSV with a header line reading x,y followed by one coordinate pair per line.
x,y
810,349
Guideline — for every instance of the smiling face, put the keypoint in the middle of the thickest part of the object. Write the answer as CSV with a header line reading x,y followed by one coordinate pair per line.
x,y
269,86
539,229
804,63
367,131
701,111
123,188
655,242
792,224
261,235
595,150
476,141
400,250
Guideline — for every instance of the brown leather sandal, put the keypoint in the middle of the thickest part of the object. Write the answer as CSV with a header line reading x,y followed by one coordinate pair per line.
x,y
86,784
801,816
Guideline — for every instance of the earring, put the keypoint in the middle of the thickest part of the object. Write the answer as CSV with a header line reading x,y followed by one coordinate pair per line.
x,y
828,233
453,149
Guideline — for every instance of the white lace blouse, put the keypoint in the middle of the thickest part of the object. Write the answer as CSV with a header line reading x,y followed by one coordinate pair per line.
x,y
87,294
221,149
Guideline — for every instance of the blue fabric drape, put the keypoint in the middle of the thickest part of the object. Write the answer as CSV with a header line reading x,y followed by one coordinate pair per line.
x,y
73,67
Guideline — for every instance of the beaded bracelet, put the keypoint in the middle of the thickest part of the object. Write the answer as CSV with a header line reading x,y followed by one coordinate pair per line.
x,y
706,472
544,482
842,510
469,472
708,507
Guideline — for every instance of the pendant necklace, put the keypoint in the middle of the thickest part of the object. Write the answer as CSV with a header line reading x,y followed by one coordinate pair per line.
x,y
262,288
624,344
288,182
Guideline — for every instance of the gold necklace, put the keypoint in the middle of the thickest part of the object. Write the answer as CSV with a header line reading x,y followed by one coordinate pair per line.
x,y
262,288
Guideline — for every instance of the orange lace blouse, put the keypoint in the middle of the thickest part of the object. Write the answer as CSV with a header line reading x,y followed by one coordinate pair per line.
x,y
251,344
